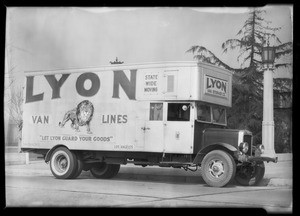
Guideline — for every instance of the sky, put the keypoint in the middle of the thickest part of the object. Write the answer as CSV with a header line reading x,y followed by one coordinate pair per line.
x,y
59,38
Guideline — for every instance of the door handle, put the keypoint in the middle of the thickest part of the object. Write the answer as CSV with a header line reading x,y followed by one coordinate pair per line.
x,y
145,128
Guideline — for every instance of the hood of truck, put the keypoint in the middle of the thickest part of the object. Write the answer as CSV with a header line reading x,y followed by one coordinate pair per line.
x,y
229,136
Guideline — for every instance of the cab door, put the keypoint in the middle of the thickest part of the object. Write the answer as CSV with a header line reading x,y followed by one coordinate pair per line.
x,y
178,128
139,113
154,127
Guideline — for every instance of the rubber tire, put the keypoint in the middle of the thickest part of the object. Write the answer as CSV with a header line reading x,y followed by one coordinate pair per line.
x,y
87,166
80,165
229,168
71,158
104,170
115,170
254,179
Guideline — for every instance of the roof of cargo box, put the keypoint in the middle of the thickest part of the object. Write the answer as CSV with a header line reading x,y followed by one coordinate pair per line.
x,y
125,67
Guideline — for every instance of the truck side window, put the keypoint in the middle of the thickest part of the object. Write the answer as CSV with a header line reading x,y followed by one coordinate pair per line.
x,y
203,113
156,111
177,113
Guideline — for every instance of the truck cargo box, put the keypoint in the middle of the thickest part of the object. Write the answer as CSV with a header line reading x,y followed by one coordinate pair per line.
x,y
109,108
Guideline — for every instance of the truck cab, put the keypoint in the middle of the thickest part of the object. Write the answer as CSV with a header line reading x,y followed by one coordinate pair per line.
x,y
167,114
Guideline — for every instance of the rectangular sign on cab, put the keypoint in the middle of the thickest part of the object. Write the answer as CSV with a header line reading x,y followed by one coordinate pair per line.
x,y
215,86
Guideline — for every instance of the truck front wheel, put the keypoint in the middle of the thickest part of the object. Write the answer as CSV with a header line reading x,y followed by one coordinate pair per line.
x,y
218,168
105,171
250,174
63,163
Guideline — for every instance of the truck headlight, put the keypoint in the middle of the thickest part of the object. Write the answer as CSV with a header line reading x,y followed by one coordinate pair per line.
x,y
261,148
244,147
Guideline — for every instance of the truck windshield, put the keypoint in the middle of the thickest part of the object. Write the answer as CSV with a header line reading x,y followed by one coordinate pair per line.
x,y
219,115
211,114
203,112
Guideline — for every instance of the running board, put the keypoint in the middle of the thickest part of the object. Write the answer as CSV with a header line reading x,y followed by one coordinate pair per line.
x,y
162,164
172,163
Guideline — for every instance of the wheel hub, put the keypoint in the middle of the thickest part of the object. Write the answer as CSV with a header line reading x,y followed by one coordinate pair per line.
x,y
61,164
216,168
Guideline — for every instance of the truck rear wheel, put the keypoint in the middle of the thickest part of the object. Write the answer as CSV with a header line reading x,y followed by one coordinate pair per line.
x,y
80,165
63,163
250,175
218,168
105,171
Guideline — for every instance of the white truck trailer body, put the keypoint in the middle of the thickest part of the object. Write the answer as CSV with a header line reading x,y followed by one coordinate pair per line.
x,y
130,106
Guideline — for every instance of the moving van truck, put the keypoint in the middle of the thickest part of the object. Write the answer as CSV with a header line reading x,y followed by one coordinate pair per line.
x,y
168,114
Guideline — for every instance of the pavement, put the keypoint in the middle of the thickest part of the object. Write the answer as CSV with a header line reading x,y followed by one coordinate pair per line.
x,y
278,174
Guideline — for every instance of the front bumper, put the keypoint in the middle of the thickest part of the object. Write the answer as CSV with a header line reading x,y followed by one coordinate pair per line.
x,y
263,158
257,158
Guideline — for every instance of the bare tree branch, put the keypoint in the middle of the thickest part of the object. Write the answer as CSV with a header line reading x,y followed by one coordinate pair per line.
x,y
15,108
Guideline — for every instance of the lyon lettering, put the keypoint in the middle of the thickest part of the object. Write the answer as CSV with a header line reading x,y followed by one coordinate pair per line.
x,y
29,91
214,83
94,87
56,85
120,79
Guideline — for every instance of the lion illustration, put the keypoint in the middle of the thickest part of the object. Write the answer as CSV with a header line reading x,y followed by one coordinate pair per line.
x,y
79,116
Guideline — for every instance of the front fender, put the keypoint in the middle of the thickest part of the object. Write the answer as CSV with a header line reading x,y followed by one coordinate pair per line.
x,y
220,146
48,155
